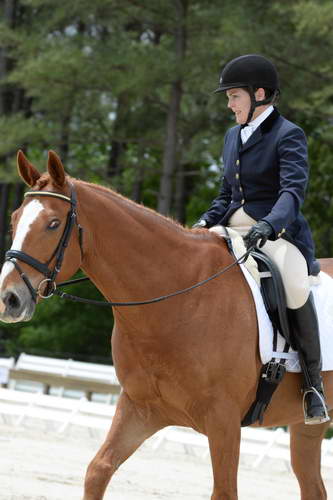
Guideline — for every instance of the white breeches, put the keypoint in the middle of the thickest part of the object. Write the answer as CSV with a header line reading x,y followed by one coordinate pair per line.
x,y
288,258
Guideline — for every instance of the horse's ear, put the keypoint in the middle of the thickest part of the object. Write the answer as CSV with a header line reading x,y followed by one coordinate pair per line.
x,y
56,169
26,170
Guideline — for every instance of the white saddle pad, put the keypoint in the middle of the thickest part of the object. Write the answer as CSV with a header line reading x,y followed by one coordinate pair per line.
x,y
322,290
323,297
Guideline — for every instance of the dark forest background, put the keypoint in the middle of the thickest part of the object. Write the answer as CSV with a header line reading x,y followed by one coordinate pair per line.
x,y
122,90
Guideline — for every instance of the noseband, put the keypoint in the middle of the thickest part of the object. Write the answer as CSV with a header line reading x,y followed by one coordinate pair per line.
x,y
58,254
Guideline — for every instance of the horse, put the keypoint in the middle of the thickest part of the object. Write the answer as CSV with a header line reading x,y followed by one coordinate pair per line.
x,y
191,360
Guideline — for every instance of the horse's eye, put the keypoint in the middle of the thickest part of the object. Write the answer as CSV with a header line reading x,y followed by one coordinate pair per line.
x,y
54,224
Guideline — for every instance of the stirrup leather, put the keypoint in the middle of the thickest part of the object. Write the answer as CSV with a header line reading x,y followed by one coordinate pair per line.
x,y
317,419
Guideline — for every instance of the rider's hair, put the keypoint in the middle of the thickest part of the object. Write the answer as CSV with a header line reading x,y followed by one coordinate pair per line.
x,y
268,92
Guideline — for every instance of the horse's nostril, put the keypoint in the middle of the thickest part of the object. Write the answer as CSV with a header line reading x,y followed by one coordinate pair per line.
x,y
12,301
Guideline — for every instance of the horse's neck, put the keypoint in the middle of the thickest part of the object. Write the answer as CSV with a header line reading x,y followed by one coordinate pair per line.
x,y
131,252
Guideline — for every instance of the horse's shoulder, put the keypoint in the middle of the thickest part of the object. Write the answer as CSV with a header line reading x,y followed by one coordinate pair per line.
x,y
326,265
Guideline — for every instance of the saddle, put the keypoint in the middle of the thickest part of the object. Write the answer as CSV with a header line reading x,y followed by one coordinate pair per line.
x,y
272,373
274,298
273,293
268,277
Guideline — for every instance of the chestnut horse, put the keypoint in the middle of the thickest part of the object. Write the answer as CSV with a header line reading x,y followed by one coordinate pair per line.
x,y
191,360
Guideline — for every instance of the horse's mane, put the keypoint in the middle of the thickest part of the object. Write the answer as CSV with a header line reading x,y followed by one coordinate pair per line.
x,y
112,194
162,219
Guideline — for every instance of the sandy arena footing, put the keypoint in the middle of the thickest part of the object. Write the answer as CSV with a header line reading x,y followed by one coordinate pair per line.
x,y
39,464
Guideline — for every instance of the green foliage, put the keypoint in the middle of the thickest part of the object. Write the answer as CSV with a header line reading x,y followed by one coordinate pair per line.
x,y
61,327
319,204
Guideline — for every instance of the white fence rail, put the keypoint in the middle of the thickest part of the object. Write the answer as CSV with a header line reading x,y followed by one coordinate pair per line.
x,y
257,443
64,374
18,406
59,414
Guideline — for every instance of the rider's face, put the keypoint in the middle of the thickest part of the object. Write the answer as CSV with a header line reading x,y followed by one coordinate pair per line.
x,y
239,102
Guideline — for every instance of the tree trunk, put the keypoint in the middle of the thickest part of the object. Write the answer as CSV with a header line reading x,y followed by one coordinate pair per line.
x,y
139,177
114,166
18,195
179,199
8,8
4,198
12,99
11,196
64,136
171,139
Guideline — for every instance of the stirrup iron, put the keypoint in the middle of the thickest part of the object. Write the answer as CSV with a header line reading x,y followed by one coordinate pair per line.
x,y
315,420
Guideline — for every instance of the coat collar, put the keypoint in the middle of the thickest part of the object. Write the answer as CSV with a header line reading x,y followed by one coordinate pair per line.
x,y
263,128
267,124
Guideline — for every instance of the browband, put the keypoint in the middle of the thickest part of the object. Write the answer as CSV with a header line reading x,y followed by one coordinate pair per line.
x,y
48,193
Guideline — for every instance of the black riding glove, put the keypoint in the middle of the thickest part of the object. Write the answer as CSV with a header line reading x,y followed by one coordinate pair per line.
x,y
260,231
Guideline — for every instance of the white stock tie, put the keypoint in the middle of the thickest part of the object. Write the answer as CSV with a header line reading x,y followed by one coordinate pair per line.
x,y
246,132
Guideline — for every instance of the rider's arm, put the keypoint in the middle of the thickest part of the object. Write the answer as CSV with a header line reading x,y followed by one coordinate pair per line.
x,y
294,173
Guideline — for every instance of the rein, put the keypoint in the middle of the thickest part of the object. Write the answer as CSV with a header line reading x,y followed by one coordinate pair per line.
x,y
75,298
50,275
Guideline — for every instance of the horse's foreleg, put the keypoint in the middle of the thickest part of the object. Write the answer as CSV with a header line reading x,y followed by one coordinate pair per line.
x,y
224,440
130,427
305,449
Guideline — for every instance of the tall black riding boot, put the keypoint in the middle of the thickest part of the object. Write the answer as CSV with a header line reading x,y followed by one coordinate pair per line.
x,y
305,331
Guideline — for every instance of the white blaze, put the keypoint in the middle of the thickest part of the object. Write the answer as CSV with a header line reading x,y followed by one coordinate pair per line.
x,y
30,213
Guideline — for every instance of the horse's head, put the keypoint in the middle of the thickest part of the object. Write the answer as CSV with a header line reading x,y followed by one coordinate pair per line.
x,y
46,246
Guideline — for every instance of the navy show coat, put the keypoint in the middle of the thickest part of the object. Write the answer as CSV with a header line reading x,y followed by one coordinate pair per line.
x,y
267,176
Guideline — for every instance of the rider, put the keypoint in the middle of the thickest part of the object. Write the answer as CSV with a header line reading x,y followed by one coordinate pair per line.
x,y
262,191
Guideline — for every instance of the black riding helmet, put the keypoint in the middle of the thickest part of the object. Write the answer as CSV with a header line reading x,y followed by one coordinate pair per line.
x,y
251,72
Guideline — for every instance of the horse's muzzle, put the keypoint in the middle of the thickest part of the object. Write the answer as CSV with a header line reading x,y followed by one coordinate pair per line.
x,y
16,305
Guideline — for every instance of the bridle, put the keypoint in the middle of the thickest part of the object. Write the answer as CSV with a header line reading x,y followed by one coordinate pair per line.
x,y
50,274
58,255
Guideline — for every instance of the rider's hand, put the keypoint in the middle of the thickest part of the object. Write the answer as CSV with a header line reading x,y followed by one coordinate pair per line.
x,y
260,231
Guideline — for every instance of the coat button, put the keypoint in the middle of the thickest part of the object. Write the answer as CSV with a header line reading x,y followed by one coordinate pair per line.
x,y
237,162
243,201
237,176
